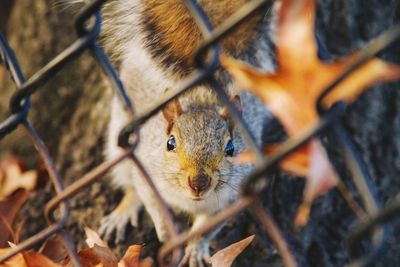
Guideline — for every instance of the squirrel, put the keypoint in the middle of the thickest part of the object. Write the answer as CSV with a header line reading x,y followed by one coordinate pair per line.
x,y
188,148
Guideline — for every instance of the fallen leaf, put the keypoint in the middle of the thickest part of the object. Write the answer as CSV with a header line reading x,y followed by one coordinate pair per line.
x,y
17,260
8,212
226,256
132,258
34,259
92,238
27,259
18,230
96,256
54,249
13,177
11,244
292,91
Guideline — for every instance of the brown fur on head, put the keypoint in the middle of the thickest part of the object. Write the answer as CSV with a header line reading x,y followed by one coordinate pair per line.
x,y
195,157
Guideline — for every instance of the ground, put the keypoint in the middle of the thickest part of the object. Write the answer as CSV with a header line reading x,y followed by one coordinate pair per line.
x,y
374,122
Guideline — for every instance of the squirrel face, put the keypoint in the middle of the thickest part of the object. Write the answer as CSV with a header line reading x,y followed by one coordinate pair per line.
x,y
199,151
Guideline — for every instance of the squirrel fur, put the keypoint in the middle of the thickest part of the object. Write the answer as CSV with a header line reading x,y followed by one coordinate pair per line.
x,y
153,42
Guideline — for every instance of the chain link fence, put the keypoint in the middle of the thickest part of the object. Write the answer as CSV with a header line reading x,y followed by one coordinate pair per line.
x,y
172,251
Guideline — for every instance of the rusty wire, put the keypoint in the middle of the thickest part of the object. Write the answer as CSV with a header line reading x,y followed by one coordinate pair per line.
x,y
253,186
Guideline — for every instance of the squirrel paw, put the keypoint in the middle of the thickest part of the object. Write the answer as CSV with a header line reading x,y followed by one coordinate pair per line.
x,y
197,254
117,222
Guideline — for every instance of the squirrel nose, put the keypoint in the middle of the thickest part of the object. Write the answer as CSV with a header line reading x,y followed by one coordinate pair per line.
x,y
199,184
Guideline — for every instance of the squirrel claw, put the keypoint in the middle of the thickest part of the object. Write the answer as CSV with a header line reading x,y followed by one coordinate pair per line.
x,y
197,254
117,222
127,211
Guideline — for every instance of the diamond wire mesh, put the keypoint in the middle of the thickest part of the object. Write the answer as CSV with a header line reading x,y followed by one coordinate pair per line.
x,y
252,188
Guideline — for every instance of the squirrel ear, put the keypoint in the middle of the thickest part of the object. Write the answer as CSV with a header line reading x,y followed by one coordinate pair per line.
x,y
171,112
236,101
225,112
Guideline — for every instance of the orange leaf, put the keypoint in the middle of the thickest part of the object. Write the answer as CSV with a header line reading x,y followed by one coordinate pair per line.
x,y
295,36
34,259
321,178
132,258
28,259
296,163
292,91
309,161
375,70
226,256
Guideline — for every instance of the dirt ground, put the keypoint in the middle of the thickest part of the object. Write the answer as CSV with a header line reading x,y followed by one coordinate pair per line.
x,y
374,122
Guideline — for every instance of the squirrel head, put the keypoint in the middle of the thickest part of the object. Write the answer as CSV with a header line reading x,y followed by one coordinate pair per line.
x,y
199,149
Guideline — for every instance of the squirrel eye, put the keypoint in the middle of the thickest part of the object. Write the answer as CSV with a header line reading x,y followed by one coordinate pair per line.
x,y
229,149
171,144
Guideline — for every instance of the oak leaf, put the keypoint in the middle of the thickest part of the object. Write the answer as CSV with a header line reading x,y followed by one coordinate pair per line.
x,y
292,91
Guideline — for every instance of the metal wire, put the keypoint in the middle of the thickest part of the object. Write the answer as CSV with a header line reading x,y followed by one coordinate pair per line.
x,y
206,66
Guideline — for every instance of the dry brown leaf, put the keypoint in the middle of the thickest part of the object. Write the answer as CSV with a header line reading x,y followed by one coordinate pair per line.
x,y
34,259
292,91
54,249
93,238
226,256
17,260
27,259
13,177
96,256
8,212
18,230
132,258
